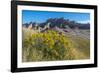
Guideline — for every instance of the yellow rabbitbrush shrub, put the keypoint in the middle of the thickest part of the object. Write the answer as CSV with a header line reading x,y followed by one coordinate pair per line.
x,y
47,46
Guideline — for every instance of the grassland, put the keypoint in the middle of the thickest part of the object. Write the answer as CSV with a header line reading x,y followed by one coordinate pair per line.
x,y
51,46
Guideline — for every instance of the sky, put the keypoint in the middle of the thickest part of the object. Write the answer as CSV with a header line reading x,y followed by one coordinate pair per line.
x,y
42,16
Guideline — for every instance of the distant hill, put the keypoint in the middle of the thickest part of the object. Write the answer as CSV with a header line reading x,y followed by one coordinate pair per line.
x,y
61,23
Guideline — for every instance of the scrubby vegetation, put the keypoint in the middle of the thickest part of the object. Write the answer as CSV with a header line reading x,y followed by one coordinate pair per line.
x,y
51,46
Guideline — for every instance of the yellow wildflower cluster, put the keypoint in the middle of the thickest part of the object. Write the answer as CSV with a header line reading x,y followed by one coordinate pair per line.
x,y
50,38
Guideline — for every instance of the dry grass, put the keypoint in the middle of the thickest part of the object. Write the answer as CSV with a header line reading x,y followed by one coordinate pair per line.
x,y
51,46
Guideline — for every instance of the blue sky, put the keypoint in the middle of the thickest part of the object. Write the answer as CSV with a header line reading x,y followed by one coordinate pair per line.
x,y
42,16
